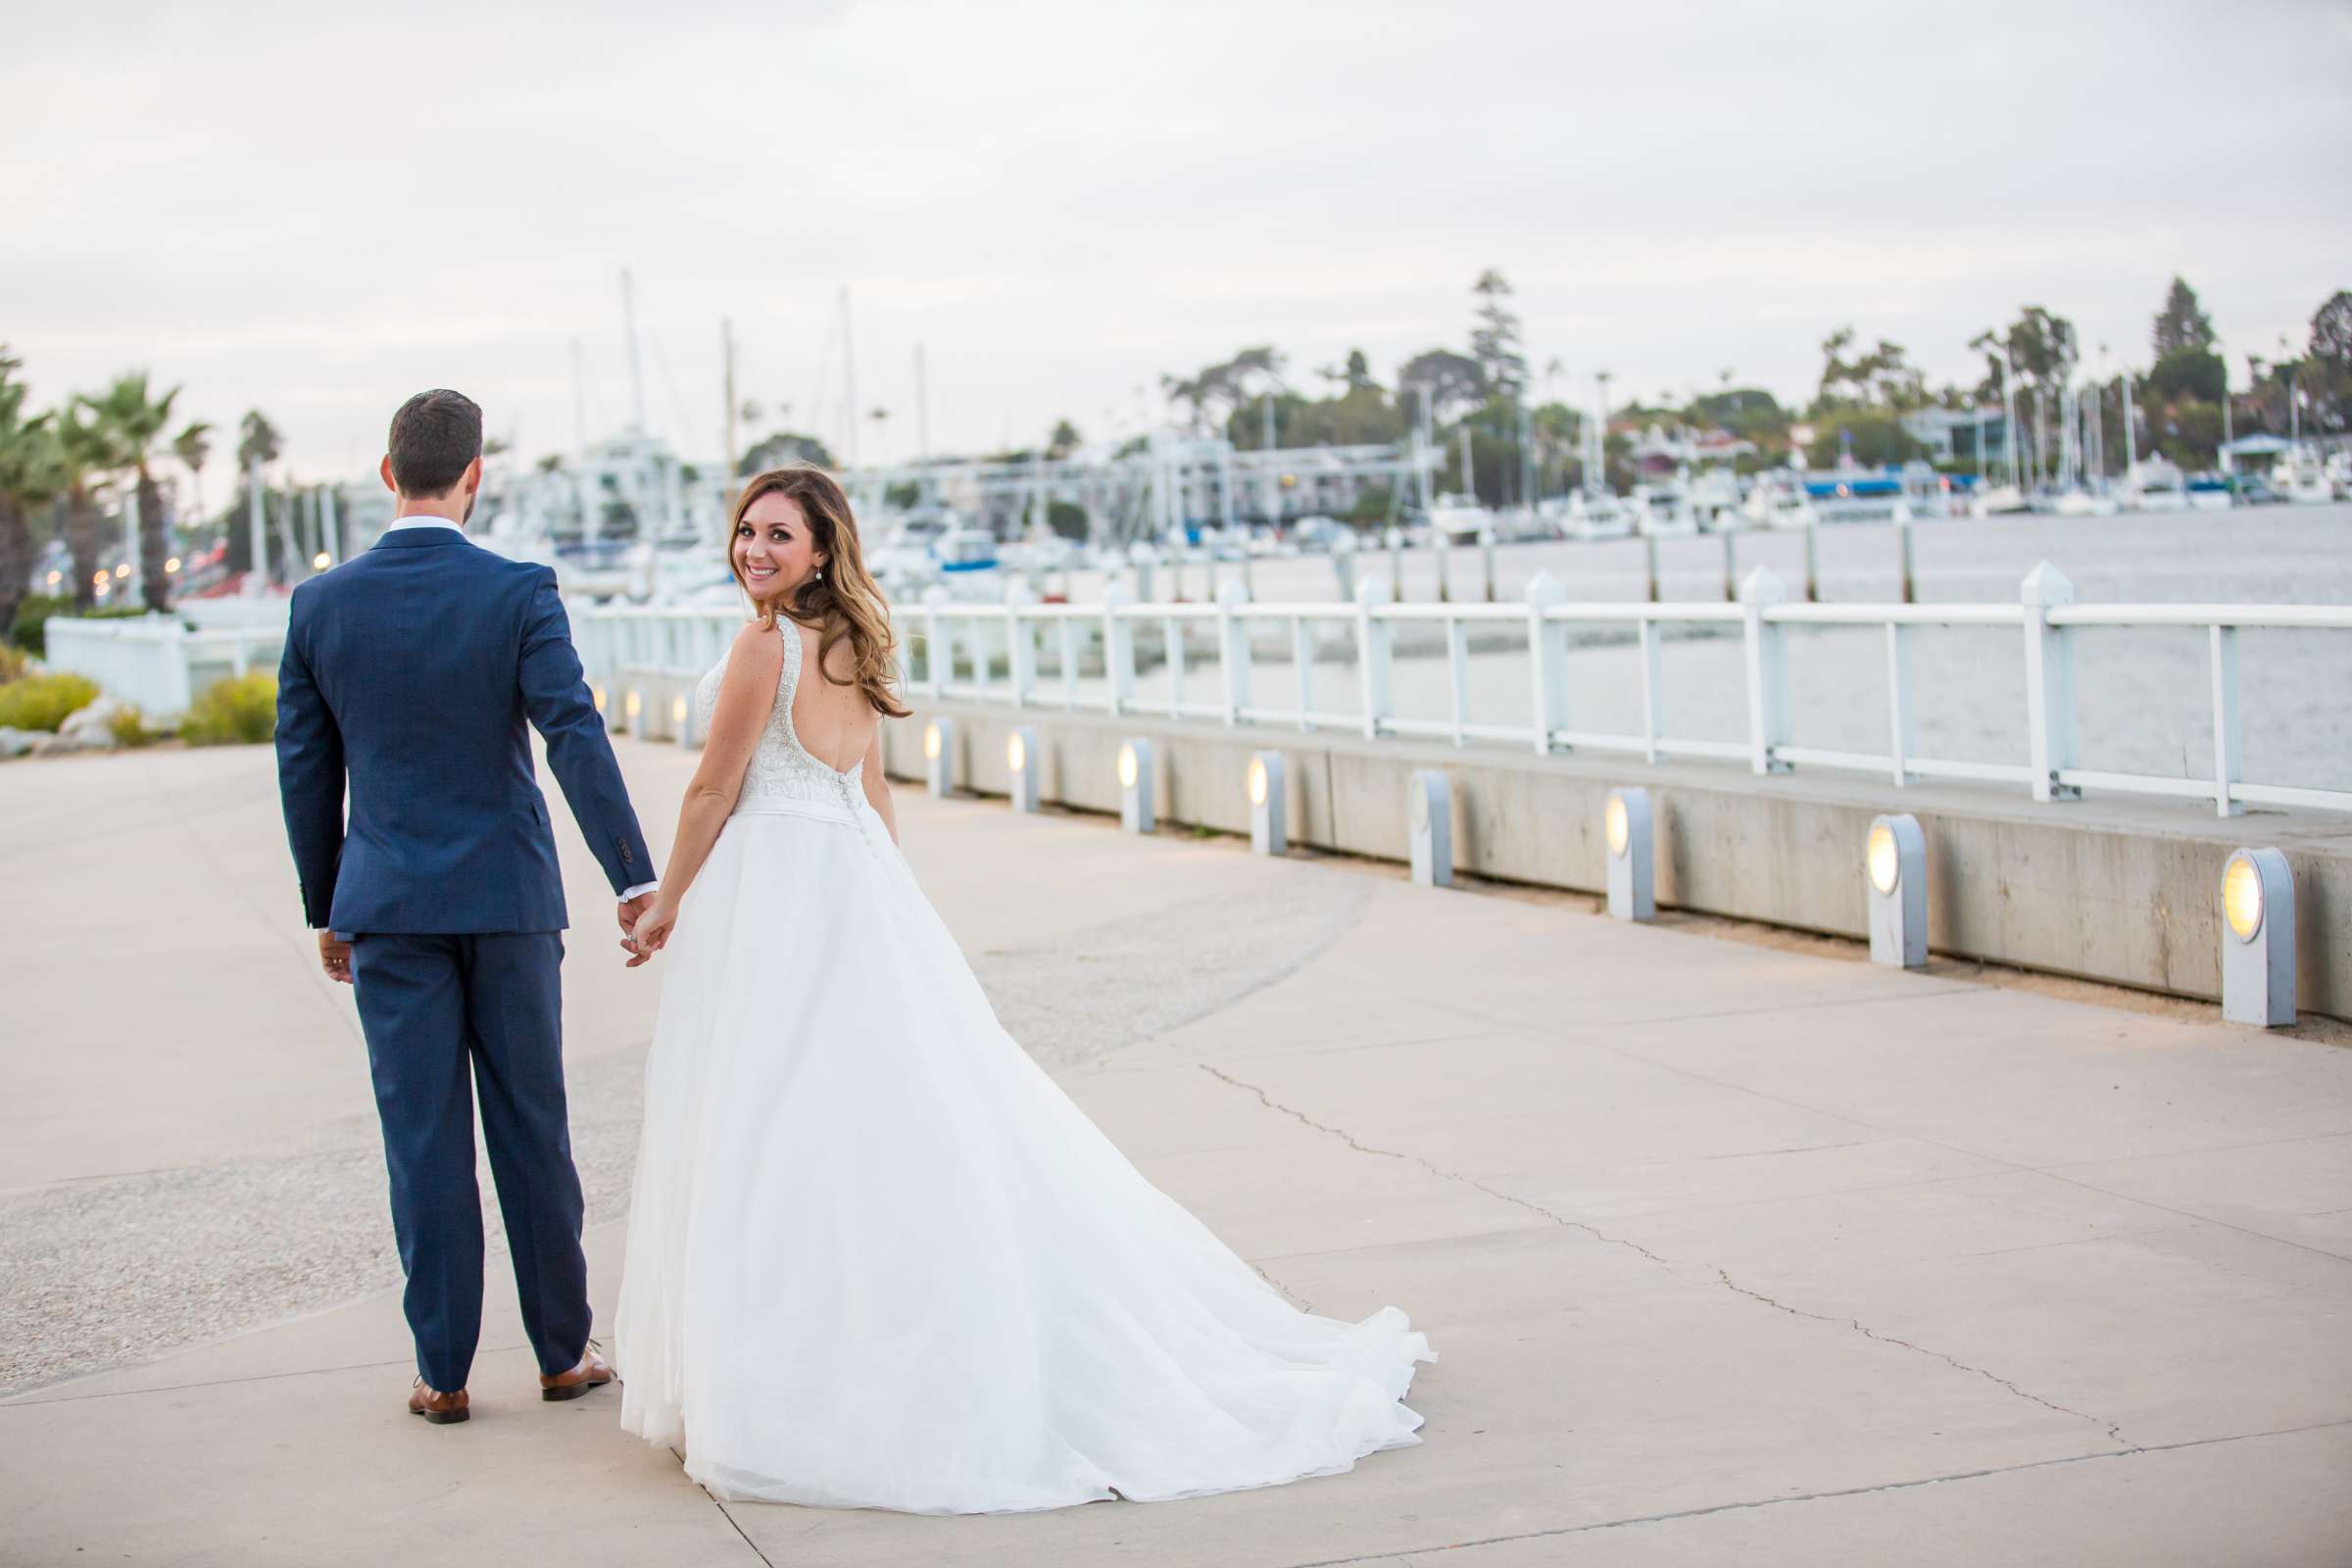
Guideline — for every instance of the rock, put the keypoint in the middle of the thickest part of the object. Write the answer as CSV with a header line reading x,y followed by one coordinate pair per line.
x,y
65,744
17,742
94,718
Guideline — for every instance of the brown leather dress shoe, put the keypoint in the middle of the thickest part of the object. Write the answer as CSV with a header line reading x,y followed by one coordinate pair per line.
x,y
593,1372
441,1409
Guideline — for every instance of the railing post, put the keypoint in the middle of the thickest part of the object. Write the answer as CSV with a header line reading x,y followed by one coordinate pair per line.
x,y
1903,726
1767,673
1457,674
1650,562
1118,647
1902,535
1372,641
1233,650
2049,682
1020,653
1653,691
1547,655
2226,757
1068,625
1812,564
177,695
939,660
1302,670
1171,634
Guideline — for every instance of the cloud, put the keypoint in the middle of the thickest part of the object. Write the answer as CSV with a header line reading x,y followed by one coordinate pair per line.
x,y
313,212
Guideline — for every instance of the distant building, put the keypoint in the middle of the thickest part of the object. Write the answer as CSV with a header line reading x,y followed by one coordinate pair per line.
x,y
1971,436
1661,450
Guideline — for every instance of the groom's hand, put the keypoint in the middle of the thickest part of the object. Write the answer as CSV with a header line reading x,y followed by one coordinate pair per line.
x,y
334,957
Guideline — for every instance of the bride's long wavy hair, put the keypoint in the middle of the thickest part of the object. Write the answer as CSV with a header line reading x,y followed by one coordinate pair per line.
x,y
842,601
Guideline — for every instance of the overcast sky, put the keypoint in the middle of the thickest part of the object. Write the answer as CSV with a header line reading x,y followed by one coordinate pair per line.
x,y
318,215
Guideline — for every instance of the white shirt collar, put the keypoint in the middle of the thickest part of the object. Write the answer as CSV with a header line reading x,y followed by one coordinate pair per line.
x,y
399,524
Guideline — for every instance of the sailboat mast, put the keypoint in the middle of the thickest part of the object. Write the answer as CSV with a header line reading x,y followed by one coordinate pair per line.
x,y
849,383
579,399
726,350
629,311
922,409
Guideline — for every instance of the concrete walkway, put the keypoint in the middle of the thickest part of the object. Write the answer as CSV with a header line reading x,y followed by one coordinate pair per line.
x,y
1731,1255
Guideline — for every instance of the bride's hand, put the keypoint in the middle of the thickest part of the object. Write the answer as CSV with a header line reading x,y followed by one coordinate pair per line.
x,y
652,932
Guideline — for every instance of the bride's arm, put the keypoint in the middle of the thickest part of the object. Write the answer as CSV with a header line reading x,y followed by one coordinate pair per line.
x,y
877,785
746,697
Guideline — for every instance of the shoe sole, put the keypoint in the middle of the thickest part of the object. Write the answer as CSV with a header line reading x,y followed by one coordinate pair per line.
x,y
444,1418
572,1391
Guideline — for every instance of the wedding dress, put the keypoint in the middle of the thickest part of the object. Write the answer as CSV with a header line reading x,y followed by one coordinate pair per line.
x,y
877,1258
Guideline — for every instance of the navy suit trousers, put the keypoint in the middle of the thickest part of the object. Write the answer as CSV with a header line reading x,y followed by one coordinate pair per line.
x,y
446,1016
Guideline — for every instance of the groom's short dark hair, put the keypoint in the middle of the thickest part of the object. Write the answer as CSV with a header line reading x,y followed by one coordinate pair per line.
x,y
434,437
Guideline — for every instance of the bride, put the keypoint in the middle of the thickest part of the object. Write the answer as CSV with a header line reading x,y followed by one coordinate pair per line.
x,y
877,1257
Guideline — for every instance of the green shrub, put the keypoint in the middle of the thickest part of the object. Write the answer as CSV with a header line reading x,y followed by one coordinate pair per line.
x,y
29,631
130,728
234,711
12,663
43,702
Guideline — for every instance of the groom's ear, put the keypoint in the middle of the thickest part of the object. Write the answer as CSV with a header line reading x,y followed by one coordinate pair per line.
x,y
472,479
385,469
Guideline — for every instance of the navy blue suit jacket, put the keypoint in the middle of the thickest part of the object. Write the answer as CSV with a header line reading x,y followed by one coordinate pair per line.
x,y
412,669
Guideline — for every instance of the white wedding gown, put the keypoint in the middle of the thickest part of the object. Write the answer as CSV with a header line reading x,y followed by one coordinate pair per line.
x,y
877,1258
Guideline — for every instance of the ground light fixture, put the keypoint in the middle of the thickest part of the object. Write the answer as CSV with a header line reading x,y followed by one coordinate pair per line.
x,y
689,722
1136,810
1268,832
938,756
321,560
2258,939
632,708
595,695
1633,864
1895,861
1023,761
1429,814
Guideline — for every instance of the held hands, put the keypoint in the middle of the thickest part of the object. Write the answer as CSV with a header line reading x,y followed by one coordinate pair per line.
x,y
334,957
646,922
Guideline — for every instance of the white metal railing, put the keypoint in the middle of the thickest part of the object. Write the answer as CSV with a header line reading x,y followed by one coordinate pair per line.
x,y
948,634
156,662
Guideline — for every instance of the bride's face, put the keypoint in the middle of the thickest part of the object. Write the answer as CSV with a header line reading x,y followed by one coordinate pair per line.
x,y
773,552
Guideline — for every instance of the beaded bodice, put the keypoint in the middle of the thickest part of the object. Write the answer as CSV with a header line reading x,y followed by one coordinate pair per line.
x,y
781,769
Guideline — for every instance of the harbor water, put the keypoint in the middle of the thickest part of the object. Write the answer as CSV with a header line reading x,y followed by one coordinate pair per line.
x,y
2144,694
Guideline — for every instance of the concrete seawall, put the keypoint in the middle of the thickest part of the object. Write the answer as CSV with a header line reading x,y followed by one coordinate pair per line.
x,y
2116,890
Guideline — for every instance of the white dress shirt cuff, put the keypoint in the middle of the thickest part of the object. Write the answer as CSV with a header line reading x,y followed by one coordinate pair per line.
x,y
642,887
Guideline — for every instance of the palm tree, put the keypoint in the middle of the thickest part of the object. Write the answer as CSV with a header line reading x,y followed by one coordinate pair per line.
x,y
29,476
192,446
86,453
135,420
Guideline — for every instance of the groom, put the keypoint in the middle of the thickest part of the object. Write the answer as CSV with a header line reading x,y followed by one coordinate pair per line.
x,y
411,670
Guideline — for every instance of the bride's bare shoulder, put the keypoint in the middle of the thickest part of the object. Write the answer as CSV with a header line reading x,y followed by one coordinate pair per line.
x,y
758,651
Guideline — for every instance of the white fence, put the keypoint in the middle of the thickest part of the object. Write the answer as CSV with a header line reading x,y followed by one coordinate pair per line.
x,y
617,642
157,662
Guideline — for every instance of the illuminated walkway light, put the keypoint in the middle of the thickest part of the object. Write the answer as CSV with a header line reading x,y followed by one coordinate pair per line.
x,y
1268,833
1632,865
1136,810
938,756
1023,761
2258,939
1429,802
1895,864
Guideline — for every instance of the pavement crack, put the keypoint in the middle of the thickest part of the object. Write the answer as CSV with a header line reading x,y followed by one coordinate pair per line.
x,y
1723,1277
2114,1433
